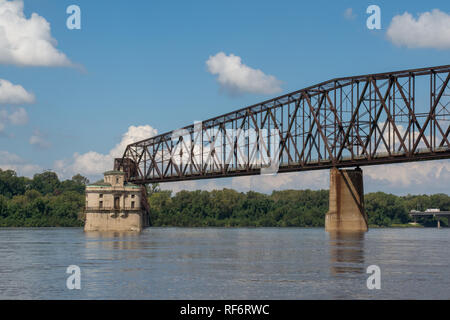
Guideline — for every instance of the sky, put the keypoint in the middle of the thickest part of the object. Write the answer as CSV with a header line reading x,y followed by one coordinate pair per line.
x,y
72,99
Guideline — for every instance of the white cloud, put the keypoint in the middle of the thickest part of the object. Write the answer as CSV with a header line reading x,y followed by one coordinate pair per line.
x,y
314,180
11,161
348,14
236,77
296,180
411,174
134,134
90,163
429,30
14,93
18,117
93,163
38,139
27,42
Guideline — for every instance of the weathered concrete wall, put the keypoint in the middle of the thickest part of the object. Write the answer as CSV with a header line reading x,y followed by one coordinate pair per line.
x,y
115,205
115,178
114,221
128,197
346,211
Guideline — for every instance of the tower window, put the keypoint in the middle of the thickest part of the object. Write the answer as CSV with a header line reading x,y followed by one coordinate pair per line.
x,y
100,204
132,204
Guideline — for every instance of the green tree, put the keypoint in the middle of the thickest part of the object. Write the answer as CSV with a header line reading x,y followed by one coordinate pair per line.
x,y
46,182
3,206
11,185
79,179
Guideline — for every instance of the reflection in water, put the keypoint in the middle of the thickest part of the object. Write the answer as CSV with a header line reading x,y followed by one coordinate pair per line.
x,y
113,240
110,234
346,252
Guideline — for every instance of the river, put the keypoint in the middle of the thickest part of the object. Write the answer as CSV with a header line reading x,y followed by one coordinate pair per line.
x,y
178,263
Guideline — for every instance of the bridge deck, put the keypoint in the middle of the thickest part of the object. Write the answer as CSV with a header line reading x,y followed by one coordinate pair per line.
x,y
430,214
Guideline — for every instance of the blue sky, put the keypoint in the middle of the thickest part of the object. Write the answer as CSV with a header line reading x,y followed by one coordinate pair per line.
x,y
143,63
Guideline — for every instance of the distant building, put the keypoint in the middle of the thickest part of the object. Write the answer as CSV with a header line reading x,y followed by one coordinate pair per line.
x,y
116,205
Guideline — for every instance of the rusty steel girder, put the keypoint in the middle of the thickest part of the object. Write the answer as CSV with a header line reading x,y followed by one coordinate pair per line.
x,y
391,117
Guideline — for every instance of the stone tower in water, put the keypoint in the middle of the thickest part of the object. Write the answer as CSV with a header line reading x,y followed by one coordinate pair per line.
x,y
116,205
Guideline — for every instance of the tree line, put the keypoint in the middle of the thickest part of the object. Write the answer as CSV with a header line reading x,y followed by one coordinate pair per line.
x,y
288,208
45,201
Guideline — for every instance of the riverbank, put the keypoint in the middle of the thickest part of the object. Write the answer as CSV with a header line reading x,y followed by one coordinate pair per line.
x,y
399,225
45,201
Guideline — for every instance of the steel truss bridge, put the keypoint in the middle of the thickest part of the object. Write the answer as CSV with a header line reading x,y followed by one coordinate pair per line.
x,y
374,119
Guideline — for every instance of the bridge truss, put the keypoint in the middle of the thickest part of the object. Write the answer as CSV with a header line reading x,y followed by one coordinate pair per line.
x,y
392,117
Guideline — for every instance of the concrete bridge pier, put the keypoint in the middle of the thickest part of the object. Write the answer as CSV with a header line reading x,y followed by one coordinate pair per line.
x,y
346,211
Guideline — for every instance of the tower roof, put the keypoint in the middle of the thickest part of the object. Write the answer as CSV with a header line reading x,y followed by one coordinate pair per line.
x,y
113,172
